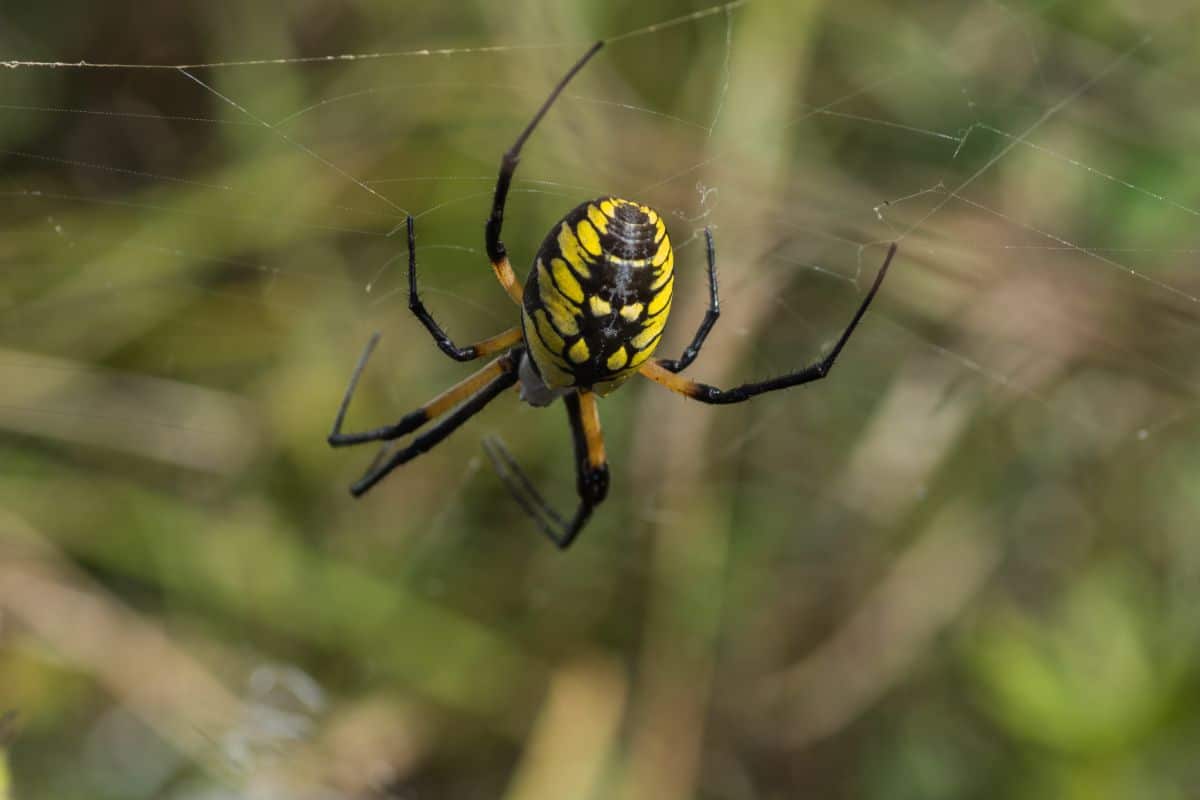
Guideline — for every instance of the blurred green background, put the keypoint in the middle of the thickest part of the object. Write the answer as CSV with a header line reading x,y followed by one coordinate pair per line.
x,y
965,566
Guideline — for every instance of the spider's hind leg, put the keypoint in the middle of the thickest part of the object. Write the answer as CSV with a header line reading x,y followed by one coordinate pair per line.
x,y
591,471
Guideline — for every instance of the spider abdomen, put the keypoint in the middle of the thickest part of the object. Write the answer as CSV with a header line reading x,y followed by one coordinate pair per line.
x,y
598,295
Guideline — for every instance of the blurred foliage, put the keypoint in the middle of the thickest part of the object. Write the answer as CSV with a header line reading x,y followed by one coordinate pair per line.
x,y
965,566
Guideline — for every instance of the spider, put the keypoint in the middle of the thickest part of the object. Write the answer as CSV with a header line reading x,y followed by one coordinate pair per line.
x,y
592,313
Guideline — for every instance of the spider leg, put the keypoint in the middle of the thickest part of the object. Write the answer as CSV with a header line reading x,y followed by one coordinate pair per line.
x,y
428,440
521,487
502,372
661,373
710,316
591,470
496,251
486,347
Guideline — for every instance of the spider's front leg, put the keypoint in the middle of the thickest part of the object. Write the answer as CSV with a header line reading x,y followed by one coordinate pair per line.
x,y
497,253
494,344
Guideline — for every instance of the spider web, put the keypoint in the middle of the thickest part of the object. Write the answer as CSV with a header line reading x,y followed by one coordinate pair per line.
x,y
196,247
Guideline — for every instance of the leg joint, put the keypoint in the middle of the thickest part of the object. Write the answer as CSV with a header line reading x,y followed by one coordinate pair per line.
x,y
593,484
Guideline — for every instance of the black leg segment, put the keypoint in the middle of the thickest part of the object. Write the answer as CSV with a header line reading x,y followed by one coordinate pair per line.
x,y
486,347
661,373
426,441
508,163
454,407
591,471
710,317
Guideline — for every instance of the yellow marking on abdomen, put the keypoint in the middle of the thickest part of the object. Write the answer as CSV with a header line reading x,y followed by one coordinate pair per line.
x,y
660,300
664,273
632,311
617,360
565,281
600,306
588,237
549,336
660,257
562,314
653,328
573,252
579,352
598,219
553,375
640,357
550,365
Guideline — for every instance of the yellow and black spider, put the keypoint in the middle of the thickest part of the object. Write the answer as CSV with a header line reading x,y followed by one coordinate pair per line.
x,y
592,313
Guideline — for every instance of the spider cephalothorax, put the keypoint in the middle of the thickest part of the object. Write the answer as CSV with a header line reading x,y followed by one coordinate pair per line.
x,y
592,313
